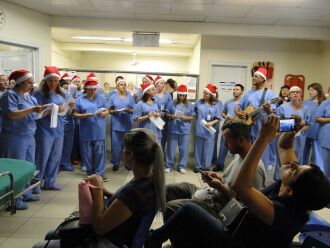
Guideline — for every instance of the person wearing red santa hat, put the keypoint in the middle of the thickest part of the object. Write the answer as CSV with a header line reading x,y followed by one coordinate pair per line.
x,y
208,114
49,136
147,108
92,109
259,95
65,81
163,99
19,113
180,113
121,108
74,86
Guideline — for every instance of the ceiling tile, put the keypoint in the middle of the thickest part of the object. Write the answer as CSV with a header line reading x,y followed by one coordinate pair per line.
x,y
286,13
186,18
72,4
316,4
210,10
254,21
101,14
289,22
277,3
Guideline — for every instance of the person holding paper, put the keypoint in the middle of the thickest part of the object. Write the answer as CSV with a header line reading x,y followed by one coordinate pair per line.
x,y
121,107
163,99
208,114
92,109
19,125
148,108
50,129
180,113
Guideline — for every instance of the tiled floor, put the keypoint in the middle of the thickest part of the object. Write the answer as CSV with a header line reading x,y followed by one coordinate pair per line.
x,y
25,228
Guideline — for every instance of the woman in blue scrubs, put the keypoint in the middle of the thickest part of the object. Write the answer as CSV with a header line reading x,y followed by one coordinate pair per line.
x,y
323,118
19,125
121,108
163,99
206,111
147,107
285,111
312,149
217,127
92,109
49,141
180,113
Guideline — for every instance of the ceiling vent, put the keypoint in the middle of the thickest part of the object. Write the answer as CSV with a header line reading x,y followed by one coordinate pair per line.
x,y
145,39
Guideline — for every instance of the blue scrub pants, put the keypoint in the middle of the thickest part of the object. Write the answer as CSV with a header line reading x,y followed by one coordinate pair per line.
x,y
67,147
172,141
117,138
272,152
94,156
163,140
48,157
203,152
15,147
312,146
325,152
222,153
298,146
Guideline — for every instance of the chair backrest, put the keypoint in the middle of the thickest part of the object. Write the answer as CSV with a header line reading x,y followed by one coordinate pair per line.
x,y
142,231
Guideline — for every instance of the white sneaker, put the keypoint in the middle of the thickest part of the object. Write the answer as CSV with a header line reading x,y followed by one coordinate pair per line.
x,y
167,170
84,168
183,171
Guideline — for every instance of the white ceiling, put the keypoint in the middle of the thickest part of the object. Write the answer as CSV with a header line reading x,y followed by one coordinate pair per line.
x,y
269,12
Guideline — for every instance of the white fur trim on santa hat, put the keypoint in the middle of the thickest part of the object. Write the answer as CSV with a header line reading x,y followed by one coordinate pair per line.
x,y
148,88
51,75
23,78
261,75
295,88
181,93
210,92
91,87
120,81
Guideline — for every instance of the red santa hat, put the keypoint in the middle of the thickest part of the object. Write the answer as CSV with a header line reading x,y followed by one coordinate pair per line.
x,y
146,86
149,78
211,89
157,80
90,84
92,76
328,92
20,76
75,77
51,71
65,76
182,90
262,72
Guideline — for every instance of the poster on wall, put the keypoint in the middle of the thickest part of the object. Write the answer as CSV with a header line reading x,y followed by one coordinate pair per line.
x,y
191,83
226,86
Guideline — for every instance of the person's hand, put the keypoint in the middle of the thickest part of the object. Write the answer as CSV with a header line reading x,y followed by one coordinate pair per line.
x,y
267,108
208,125
127,110
182,118
72,104
213,180
152,113
240,114
269,127
39,108
88,115
157,114
60,109
299,123
95,180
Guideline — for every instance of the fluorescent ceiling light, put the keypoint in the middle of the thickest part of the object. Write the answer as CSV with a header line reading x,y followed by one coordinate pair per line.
x,y
107,38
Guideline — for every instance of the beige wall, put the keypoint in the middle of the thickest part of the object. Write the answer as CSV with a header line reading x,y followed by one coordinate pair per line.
x,y
288,56
65,59
26,27
325,64
194,59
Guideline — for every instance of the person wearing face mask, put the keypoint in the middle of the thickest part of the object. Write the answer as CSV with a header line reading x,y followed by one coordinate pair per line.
x,y
92,109
311,148
121,108
19,125
49,140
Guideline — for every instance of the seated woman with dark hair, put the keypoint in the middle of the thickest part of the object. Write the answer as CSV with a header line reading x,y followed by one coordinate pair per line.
x,y
274,218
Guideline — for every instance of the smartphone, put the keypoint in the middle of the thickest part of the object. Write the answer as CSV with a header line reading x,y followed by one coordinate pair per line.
x,y
286,125
204,175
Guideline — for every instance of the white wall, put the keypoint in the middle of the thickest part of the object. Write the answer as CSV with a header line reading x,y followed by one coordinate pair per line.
x,y
29,28
325,64
67,59
194,59
288,56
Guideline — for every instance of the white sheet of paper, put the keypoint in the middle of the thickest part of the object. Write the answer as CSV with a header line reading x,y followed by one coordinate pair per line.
x,y
178,113
157,121
54,116
210,129
120,110
99,111
66,108
41,114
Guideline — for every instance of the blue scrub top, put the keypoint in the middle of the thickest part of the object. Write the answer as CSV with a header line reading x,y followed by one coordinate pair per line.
x,y
180,126
253,97
220,106
323,137
208,113
10,102
121,121
92,128
286,110
312,131
43,124
142,108
229,108
163,101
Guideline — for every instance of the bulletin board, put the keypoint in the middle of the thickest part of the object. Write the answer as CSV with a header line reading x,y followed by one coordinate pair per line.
x,y
135,77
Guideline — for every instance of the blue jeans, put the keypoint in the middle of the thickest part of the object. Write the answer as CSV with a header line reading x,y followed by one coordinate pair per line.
x,y
191,226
